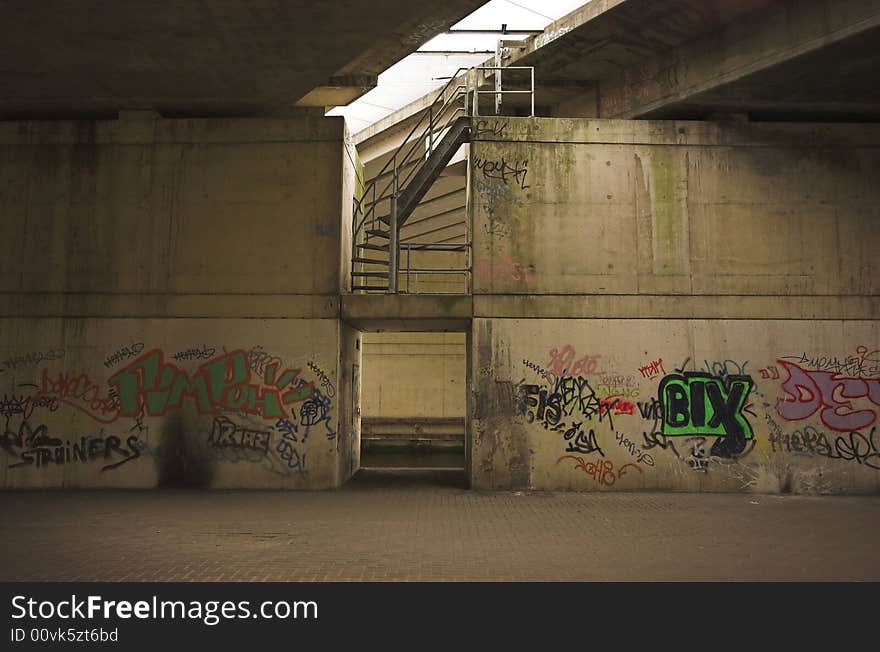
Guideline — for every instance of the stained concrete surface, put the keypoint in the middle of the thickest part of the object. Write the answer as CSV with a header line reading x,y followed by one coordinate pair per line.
x,y
402,529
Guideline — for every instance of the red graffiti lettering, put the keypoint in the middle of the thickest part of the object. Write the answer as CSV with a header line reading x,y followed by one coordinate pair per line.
x,y
828,393
221,384
563,363
505,270
653,369
79,391
615,402
602,471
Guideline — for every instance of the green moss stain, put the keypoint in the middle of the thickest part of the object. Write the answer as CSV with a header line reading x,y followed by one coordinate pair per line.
x,y
666,211
450,304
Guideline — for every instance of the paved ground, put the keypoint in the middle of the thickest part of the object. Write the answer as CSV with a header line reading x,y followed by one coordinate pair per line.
x,y
377,530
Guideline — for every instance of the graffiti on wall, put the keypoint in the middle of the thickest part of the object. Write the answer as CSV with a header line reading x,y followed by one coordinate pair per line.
x,y
203,352
703,415
24,405
326,384
602,471
227,434
569,396
495,127
123,353
634,449
504,270
32,445
512,173
696,403
564,360
580,441
30,359
80,391
830,395
221,384
653,369
770,372
615,384
724,368
566,402
864,363
859,447
262,419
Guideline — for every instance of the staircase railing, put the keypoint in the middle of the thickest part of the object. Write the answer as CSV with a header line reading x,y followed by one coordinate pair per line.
x,y
450,103
378,206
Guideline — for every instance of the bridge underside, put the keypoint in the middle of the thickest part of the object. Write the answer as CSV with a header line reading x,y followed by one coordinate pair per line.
x,y
87,58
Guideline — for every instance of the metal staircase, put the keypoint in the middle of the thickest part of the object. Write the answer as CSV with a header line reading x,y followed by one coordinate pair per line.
x,y
390,198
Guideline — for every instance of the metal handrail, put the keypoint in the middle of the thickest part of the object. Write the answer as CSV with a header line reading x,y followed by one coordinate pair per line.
x,y
409,271
393,177
413,143
499,91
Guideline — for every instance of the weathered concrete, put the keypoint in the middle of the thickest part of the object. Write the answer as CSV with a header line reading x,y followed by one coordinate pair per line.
x,y
173,207
593,207
414,375
186,264
171,304
813,56
401,312
693,58
579,404
741,258
170,402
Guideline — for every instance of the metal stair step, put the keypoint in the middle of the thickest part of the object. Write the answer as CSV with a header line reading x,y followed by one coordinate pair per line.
x,y
371,274
370,287
370,261
374,247
378,233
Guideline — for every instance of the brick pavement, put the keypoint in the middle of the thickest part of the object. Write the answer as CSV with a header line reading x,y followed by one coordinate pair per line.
x,y
378,530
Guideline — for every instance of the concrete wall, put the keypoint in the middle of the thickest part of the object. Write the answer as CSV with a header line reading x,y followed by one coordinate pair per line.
x,y
414,375
348,398
681,306
166,402
171,302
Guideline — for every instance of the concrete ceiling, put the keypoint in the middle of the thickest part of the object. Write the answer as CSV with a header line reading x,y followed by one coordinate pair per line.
x,y
770,59
72,58
838,82
603,38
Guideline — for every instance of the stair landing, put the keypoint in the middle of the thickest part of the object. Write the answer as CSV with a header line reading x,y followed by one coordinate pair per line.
x,y
408,312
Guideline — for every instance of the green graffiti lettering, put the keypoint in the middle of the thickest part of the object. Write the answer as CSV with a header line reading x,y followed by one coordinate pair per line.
x,y
698,404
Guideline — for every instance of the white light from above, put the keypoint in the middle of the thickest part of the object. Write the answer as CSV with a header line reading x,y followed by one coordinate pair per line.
x,y
418,74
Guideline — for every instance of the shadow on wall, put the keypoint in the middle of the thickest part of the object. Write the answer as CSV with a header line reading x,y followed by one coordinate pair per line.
x,y
181,464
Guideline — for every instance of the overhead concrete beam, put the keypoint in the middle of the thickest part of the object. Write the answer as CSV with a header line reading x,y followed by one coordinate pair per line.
x,y
203,58
339,91
755,43
401,312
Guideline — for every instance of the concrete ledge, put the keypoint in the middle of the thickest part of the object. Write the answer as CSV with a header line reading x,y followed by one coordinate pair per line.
x,y
619,306
308,127
597,131
279,306
408,312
